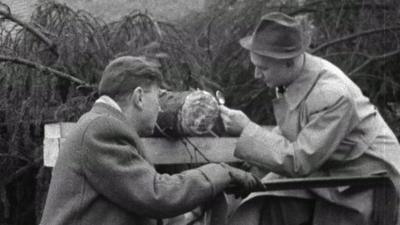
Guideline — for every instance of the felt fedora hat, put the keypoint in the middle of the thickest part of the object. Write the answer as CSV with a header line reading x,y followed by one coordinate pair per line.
x,y
277,36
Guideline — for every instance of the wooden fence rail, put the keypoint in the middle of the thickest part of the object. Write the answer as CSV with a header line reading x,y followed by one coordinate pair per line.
x,y
158,150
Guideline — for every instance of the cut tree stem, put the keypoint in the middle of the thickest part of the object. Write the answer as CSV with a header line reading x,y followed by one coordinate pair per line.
x,y
31,64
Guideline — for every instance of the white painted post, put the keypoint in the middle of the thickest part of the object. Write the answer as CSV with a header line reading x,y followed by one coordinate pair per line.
x,y
54,135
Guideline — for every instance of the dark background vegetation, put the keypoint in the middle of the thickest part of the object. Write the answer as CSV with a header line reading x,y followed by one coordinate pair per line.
x,y
49,69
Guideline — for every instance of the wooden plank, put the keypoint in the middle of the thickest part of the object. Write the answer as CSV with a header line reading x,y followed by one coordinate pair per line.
x,y
163,151
158,150
52,130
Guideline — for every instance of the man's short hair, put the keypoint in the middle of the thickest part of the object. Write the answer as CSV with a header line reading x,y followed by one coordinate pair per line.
x,y
122,75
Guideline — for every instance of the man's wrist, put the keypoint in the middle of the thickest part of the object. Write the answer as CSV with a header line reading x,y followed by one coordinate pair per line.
x,y
218,175
250,129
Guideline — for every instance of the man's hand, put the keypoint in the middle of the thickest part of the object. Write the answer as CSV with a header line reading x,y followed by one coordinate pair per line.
x,y
234,120
243,183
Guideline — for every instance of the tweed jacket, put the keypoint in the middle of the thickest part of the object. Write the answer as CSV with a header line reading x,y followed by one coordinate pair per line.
x,y
101,177
325,127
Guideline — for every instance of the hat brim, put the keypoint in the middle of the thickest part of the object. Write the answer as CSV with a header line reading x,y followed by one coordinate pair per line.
x,y
246,43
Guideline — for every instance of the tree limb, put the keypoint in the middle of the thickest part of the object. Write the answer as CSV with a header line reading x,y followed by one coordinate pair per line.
x,y
352,36
7,15
31,64
372,59
346,53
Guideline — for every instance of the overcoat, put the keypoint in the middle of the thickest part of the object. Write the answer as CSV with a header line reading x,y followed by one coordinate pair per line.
x,y
101,177
325,127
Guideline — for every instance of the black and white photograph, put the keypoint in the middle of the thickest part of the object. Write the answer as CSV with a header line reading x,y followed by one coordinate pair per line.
x,y
199,112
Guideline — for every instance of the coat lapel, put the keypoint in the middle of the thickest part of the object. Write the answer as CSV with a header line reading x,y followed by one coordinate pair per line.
x,y
287,109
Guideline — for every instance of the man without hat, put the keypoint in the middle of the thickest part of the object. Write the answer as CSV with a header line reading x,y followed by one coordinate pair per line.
x,y
325,127
102,176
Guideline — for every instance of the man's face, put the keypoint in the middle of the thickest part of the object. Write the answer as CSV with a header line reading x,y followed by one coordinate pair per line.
x,y
273,72
151,108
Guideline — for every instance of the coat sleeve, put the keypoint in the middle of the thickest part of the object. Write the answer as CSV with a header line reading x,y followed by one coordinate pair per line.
x,y
328,124
114,168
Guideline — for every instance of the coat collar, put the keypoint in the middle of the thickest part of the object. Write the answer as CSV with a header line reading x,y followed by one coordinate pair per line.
x,y
103,108
109,101
299,89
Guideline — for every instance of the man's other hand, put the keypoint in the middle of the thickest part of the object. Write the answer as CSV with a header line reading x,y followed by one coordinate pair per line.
x,y
243,183
234,120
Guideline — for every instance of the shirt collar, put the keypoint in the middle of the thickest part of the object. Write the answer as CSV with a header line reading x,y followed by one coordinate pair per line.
x,y
108,101
298,90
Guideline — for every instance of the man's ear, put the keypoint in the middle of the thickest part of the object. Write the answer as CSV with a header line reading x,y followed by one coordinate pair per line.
x,y
137,98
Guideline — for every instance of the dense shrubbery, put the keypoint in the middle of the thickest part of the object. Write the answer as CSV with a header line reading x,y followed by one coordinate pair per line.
x,y
202,51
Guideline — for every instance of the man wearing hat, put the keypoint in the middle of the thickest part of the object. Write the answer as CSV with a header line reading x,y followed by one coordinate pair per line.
x,y
325,127
102,176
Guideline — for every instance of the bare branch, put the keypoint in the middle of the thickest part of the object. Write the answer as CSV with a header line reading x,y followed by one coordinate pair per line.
x,y
352,36
37,33
344,53
372,59
31,64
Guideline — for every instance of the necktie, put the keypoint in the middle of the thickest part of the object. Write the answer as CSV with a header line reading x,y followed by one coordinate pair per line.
x,y
279,91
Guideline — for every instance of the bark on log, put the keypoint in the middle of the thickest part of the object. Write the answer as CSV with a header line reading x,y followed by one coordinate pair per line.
x,y
189,113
